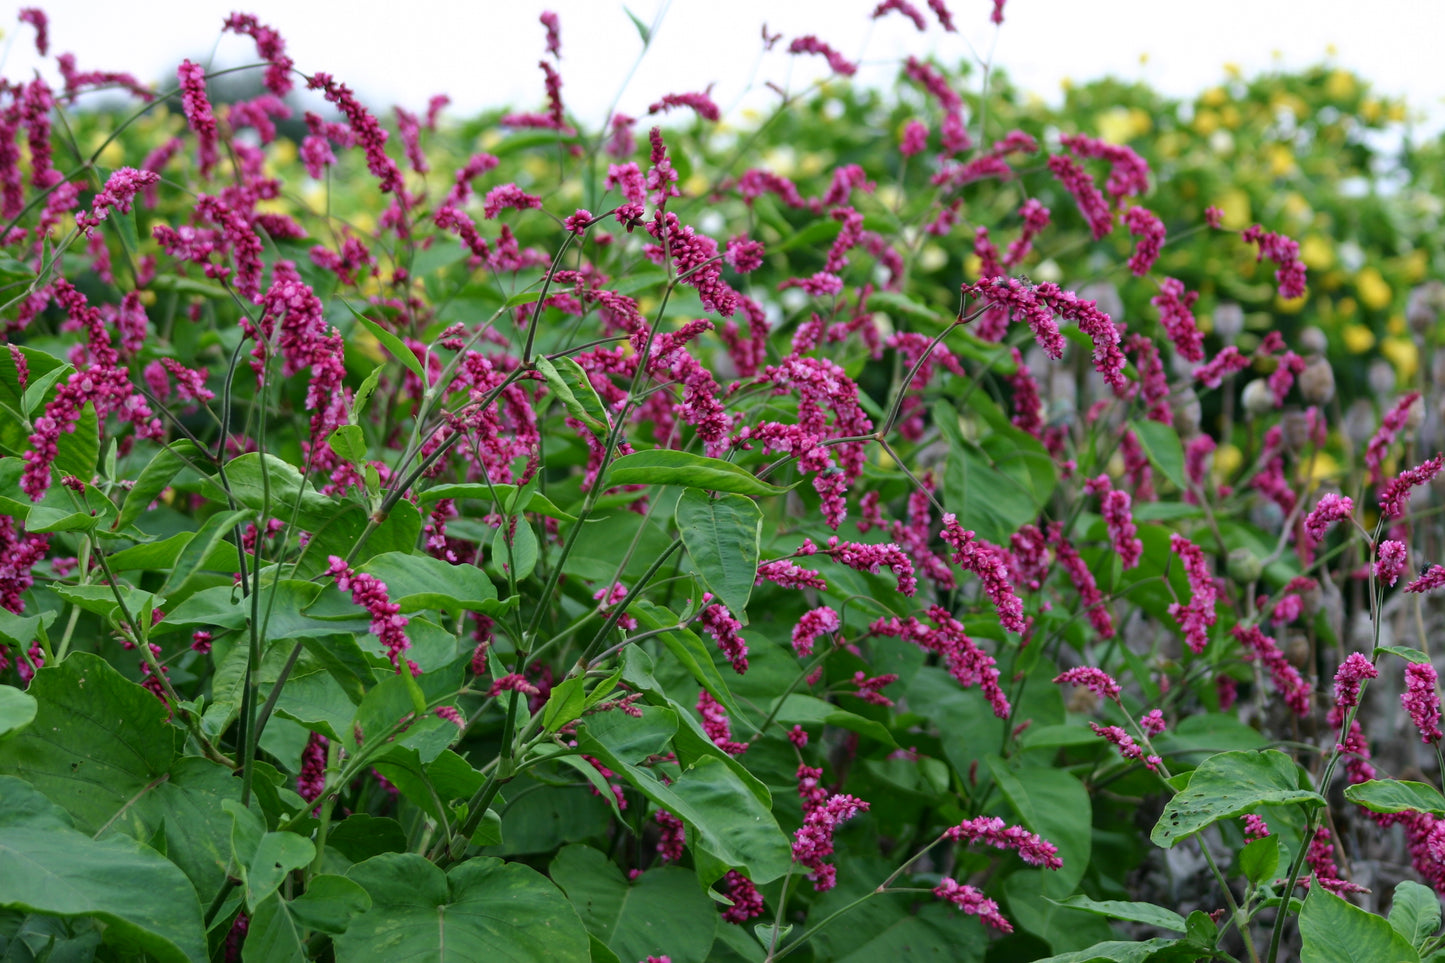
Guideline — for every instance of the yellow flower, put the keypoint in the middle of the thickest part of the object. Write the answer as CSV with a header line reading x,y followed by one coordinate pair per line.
x,y
1404,355
1322,467
1358,338
1227,459
1229,116
1372,288
1214,96
933,257
1290,305
1206,122
1235,204
1340,84
972,264
1316,252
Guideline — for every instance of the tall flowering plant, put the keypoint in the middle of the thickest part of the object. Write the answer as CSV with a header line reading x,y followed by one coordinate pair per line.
x,y
635,544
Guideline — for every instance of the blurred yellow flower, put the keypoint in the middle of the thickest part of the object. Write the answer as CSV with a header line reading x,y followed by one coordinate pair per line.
x,y
1214,96
1317,252
972,264
1358,338
1206,122
1227,459
1281,160
1119,125
1235,204
1322,467
1417,262
1340,84
933,257
1372,288
1404,355
1229,116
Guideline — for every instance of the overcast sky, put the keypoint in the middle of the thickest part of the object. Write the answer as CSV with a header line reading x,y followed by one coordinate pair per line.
x,y
485,52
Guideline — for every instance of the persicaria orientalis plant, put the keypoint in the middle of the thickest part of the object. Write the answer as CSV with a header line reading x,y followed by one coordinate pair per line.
x,y
649,543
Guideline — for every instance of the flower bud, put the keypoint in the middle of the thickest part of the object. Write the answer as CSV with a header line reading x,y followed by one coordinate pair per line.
x,y
1297,649
1244,566
1258,399
1228,320
1295,431
1424,305
1313,341
1381,377
1317,382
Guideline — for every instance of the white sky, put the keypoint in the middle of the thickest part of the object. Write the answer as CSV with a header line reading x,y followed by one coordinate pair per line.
x,y
485,52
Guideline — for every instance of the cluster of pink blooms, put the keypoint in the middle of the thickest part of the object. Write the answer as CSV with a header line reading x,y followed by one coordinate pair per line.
x,y
311,780
1285,677
1128,748
1254,827
810,625
1145,225
1350,678
727,632
1379,444
1284,252
990,564
1090,598
1197,616
1429,580
1117,509
1329,509
812,45
1032,848
368,591
813,842
747,901
1321,859
967,663
1391,559
1396,493
717,725
672,837
972,901
1094,679
1422,701
1176,314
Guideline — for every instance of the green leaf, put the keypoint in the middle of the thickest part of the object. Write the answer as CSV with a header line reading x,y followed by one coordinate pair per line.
x,y
666,466
1166,453
1414,912
514,548
276,855
394,346
806,710
690,652
643,30
985,499
1397,795
100,747
349,443
1117,951
17,709
500,494
564,704
1404,652
362,398
47,866
1333,931
726,819
572,386
1229,784
279,927
422,582
202,550
1259,859
1146,913
1054,804
722,536
484,909
662,909
153,480
266,482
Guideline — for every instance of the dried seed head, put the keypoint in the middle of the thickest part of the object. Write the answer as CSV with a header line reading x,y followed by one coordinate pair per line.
x,y
1424,305
1228,320
1317,382
1258,399
1295,427
1244,566
1313,341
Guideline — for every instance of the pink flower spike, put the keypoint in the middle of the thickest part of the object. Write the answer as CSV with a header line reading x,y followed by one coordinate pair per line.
x,y
1390,561
1153,722
1330,509
36,18
1421,700
554,33
1197,616
1397,491
1254,827
1031,847
812,45
1349,679
1094,679
971,900
1429,581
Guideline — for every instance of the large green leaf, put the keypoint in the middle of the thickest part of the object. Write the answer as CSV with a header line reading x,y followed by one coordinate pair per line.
x,y
661,911
1414,912
17,709
260,481
666,466
1162,446
1147,913
1229,784
484,909
153,480
100,747
1396,796
569,381
47,866
279,927
1117,951
416,581
722,536
1333,931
